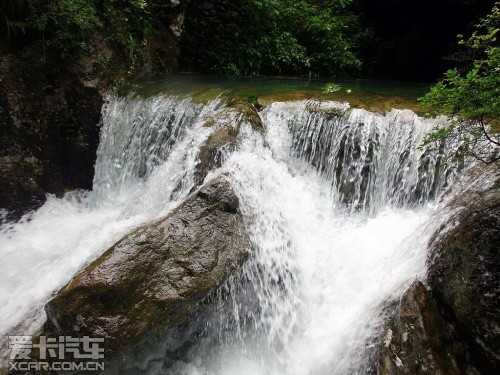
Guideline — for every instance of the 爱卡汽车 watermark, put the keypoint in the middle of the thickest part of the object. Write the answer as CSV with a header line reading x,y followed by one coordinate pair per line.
x,y
63,353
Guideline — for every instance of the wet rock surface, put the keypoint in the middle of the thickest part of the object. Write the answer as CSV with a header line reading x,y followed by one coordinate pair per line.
x,y
464,275
155,277
224,139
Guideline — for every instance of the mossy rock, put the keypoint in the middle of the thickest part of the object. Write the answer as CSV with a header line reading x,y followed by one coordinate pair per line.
x,y
208,95
371,102
330,111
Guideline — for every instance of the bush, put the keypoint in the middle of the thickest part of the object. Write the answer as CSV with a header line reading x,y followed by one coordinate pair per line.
x,y
69,25
12,18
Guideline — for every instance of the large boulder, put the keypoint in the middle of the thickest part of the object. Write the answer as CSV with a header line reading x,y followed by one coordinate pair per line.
x,y
464,274
155,277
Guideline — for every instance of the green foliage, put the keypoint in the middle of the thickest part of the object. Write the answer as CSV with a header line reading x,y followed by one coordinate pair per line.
x,y
111,38
70,29
249,37
472,98
240,37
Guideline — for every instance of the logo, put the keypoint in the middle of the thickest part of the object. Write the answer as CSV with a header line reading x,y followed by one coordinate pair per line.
x,y
55,353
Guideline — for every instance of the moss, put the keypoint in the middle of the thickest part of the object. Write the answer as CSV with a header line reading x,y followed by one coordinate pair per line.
x,y
268,99
200,94
242,105
329,111
261,92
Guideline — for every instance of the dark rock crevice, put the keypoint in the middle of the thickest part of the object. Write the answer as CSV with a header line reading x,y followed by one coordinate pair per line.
x,y
49,131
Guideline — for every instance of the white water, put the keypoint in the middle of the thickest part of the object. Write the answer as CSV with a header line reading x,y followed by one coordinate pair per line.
x,y
324,261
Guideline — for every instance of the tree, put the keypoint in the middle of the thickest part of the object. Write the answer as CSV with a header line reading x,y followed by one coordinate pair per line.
x,y
472,98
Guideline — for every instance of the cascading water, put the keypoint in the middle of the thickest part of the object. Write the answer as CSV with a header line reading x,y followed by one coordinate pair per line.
x,y
371,159
149,149
321,274
337,204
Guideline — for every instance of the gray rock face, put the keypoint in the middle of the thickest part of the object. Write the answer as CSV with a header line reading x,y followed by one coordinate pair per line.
x,y
156,276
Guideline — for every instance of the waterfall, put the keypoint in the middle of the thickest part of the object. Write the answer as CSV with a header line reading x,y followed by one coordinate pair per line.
x,y
145,166
339,205
149,147
314,293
